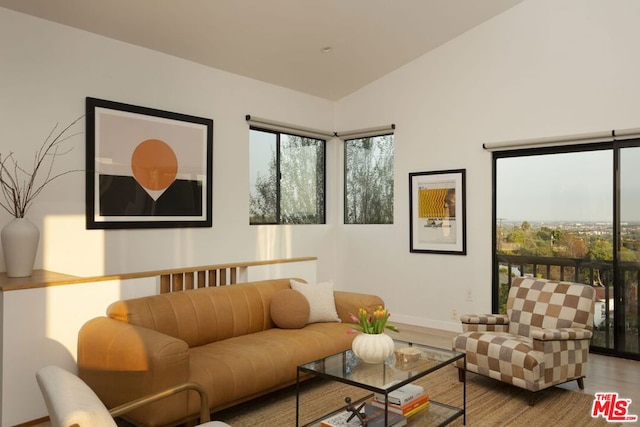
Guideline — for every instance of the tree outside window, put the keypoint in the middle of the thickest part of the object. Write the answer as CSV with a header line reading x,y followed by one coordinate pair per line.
x,y
287,179
369,180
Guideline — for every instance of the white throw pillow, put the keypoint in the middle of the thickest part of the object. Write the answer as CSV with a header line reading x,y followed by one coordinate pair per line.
x,y
322,305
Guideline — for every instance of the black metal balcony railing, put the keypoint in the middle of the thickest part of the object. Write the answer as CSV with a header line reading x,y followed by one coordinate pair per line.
x,y
577,270
597,273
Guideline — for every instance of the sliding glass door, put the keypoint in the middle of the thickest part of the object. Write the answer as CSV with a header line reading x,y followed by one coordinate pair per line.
x,y
573,213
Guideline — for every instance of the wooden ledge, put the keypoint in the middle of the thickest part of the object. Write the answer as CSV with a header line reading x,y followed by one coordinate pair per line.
x,y
44,278
39,278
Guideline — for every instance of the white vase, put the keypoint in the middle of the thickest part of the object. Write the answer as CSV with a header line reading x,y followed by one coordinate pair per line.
x,y
373,348
20,240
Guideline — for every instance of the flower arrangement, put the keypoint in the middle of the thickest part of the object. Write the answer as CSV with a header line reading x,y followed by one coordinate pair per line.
x,y
20,186
372,323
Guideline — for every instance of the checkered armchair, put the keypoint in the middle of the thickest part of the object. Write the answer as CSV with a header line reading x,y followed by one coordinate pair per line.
x,y
543,340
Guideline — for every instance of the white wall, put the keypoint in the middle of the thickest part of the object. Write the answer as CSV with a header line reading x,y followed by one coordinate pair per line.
x,y
540,69
47,70
40,327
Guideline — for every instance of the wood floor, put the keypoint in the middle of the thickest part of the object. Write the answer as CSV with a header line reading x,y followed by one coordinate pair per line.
x,y
606,374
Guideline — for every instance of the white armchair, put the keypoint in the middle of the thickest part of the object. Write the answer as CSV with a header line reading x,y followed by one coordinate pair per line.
x,y
71,402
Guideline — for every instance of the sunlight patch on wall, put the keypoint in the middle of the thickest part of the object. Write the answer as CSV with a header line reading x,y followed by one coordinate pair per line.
x,y
273,242
68,248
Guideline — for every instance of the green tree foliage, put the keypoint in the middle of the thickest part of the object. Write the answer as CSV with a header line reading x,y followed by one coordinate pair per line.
x,y
553,242
572,246
301,190
630,250
301,180
545,233
263,203
516,236
629,255
600,249
369,180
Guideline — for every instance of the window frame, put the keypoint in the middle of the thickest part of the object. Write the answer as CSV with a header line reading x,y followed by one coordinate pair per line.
x,y
345,174
525,152
278,208
616,146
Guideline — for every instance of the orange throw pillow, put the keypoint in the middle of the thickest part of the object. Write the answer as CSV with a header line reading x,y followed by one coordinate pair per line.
x,y
289,309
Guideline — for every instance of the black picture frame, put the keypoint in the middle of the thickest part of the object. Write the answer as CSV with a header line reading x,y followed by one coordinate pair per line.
x,y
437,206
147,168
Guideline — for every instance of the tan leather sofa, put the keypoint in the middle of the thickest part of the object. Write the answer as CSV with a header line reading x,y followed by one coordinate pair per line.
x,y
220,337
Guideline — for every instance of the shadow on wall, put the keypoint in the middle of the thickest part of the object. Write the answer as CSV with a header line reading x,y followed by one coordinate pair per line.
x,y
54,350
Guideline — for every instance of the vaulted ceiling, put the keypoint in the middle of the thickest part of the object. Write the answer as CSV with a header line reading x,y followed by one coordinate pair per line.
x,y
326,48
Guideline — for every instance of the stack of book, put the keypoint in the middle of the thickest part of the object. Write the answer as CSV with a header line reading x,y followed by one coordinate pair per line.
x,y
407,400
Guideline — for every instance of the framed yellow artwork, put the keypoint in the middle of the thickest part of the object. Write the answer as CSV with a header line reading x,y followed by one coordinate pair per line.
x,y
438,213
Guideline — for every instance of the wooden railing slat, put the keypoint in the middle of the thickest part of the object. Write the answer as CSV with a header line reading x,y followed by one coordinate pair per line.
x,y
202,279
188,280
165,284
223,277
177,282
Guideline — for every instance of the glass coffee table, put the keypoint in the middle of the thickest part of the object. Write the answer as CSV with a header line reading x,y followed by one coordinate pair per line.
x,y
347,368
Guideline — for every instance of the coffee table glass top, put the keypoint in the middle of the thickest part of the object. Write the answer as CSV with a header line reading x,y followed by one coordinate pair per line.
x,y
346,367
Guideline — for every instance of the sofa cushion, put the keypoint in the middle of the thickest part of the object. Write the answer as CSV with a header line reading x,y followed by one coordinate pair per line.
x,y
289,309
243,367
204,315
322,305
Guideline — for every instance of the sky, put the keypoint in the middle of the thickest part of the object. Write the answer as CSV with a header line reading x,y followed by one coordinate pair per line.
x,y
262,148
567,187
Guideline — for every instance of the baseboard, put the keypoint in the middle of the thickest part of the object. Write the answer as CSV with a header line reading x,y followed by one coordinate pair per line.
x,y
453,326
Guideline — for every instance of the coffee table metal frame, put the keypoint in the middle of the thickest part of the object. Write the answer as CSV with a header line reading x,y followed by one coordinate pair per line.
x,y
387,377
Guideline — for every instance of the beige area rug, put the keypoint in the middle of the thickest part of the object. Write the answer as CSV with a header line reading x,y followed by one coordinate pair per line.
x,y
489,403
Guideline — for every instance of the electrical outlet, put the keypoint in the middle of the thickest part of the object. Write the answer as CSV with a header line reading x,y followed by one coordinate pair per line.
x,y
469,295
454,314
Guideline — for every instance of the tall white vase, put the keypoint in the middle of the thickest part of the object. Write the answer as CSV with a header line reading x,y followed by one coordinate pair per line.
x,y
20,240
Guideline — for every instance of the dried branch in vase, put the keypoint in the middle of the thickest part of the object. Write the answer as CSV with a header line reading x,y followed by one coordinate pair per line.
x,y
20,186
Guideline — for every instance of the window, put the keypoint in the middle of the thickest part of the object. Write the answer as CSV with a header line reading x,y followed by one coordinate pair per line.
x,y
560,213
287,176
368,184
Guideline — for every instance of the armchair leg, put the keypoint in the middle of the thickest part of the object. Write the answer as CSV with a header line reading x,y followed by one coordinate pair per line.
x,y
532,398
461,375
580,383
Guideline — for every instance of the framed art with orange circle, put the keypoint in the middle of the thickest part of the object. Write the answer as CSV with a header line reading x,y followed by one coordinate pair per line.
x,y
147,168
